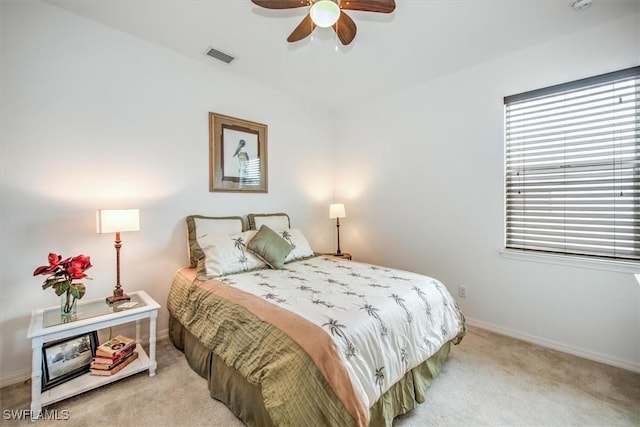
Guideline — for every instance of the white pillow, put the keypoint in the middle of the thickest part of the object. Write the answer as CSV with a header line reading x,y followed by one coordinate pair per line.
x,y
298,242
275,221
199,226
225,226
227,255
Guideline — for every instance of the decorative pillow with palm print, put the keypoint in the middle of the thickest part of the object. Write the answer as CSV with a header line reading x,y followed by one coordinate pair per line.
x,y
199,226
299,244
227,255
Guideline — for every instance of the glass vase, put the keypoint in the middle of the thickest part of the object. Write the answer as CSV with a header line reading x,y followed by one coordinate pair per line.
x,y
67,304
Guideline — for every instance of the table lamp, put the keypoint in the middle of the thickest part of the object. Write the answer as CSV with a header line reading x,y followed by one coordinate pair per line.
x,y
117,221
336,210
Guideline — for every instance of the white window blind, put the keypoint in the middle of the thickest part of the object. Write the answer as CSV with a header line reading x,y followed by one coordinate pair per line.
x,y
572,167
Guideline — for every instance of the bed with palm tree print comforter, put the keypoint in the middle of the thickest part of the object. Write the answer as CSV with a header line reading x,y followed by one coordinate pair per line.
x,y
365,326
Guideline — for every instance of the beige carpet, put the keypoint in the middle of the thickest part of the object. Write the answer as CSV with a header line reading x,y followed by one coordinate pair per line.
x,y
489,380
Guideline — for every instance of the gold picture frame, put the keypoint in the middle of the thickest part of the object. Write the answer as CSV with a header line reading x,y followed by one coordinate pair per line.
x,y
237,155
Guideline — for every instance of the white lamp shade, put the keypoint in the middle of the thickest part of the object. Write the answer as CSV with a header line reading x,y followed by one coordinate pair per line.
x,y
336,210
325,13
116,220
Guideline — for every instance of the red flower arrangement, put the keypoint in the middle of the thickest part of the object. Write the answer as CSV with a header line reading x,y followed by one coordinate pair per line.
x,y
62,273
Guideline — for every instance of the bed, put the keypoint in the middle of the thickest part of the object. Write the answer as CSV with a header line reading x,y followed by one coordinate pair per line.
x,y
285,336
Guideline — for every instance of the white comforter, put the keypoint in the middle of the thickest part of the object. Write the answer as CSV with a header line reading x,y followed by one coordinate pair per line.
x,y
384,321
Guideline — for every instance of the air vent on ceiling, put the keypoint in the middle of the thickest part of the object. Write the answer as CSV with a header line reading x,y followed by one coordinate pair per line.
x,y
215,53
578,5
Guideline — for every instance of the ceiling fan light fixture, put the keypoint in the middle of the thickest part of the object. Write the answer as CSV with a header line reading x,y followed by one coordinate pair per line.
x,y
325,13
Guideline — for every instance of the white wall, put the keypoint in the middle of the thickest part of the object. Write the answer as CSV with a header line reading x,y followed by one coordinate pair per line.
x,y
421,174
93,118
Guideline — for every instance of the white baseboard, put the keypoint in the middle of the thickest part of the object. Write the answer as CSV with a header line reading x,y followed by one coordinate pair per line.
x,y
160,335
15,377
24,374
555,345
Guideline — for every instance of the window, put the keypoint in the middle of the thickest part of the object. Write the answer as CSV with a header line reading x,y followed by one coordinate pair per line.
x,y
572,167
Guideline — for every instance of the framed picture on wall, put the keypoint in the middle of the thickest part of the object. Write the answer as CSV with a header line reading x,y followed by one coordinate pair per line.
x,y
237,155
66,359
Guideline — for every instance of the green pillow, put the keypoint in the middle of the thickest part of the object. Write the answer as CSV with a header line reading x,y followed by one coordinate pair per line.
x,y
270,247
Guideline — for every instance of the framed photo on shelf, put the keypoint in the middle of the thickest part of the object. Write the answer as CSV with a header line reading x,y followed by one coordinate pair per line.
x,y
66,359
237,155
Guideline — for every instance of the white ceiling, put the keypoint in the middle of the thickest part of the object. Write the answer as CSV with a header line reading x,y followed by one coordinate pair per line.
x,y
421,40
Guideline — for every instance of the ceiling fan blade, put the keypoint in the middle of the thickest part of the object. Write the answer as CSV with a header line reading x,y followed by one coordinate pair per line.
x,y
302,30
281,4
345,28
380,6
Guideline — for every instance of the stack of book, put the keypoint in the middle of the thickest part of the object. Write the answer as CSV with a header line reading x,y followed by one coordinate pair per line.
x,y
113,356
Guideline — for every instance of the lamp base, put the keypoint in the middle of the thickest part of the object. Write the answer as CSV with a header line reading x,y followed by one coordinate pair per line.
x,y
118,298
343,255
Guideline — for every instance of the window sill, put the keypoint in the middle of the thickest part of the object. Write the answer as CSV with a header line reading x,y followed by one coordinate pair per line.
x,y
573,261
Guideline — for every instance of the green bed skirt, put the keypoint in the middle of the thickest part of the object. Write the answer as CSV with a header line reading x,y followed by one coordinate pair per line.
x,y
245,399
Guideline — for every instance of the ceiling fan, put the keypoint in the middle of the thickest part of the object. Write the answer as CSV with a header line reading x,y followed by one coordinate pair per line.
x,y
328,13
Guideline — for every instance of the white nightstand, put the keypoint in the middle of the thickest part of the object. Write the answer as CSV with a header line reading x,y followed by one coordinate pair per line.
x,y
48,325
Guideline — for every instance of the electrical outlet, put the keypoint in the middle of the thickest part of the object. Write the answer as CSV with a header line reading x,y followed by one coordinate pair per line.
x,y
462,291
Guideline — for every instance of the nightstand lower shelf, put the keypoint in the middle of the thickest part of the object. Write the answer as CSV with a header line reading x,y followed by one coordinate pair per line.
x,y
88,382
48,326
